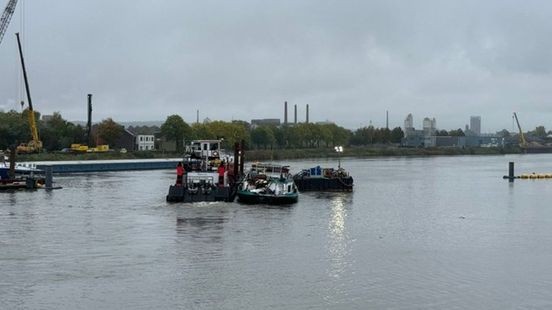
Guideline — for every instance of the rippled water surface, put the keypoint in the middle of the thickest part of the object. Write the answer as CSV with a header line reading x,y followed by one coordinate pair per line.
x,y
439,232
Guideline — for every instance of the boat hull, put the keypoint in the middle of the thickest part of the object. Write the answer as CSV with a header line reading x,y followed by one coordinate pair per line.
x,y
344,184
20,183
254,198
178,193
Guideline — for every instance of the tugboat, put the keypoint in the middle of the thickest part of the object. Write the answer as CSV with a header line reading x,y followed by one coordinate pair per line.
x,y
208,175
18,176
270,184
325,179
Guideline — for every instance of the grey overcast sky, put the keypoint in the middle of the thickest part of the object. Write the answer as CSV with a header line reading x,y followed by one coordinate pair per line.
x,y
349,60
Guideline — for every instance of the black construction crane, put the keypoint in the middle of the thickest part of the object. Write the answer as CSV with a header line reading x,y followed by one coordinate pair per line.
x,y
6,17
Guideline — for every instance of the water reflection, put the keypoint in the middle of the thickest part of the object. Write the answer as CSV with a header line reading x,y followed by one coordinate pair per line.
x,y
102,245
11,198
337,218
200,232
337,226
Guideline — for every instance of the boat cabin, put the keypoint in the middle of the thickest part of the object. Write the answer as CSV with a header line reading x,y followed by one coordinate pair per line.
x,y
210,149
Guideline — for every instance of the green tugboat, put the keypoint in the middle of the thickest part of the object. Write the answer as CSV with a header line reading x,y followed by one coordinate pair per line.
x,y
268,184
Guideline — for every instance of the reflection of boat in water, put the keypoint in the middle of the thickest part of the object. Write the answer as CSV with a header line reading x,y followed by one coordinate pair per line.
x,y
324,179
270,184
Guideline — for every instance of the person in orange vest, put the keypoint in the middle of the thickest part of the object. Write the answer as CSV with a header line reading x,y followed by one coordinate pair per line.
x,y
221,174
179,173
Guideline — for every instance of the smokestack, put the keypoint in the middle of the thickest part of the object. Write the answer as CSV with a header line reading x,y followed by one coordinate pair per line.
x,y
197,117
295,115
307,121
387,119
285,113
89,122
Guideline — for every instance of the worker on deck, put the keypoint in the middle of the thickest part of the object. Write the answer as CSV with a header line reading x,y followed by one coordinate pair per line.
x,y
221,171
179,173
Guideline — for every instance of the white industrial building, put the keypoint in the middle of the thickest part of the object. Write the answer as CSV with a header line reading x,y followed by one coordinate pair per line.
x,y
475,125
145,142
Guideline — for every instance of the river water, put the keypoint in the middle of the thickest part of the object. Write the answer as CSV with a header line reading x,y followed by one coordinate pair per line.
x,y
416,233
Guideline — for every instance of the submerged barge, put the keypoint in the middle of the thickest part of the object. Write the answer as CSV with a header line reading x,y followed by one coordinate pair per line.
x,y
324,179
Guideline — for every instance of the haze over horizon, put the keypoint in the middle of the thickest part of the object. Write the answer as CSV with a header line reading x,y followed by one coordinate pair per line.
x,y
349,60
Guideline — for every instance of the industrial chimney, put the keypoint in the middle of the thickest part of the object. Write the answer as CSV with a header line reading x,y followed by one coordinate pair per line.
x,y
285,113
295,115
89,122
307,120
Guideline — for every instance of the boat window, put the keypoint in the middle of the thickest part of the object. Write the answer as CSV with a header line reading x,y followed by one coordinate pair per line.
x,y
205,146
214,146
289,188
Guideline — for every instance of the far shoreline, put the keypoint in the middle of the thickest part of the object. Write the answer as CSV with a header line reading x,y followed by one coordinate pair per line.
x,y
288,154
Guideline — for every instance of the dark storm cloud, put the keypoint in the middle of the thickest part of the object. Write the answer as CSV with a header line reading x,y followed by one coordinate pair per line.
x,y
350,60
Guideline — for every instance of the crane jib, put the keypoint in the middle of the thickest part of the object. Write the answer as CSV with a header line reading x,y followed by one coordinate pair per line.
x,y
6,17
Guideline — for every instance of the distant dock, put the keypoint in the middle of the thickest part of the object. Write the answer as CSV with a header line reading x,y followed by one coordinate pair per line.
x,y
107,165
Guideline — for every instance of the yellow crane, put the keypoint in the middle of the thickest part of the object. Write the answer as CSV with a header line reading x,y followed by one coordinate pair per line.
x,y
522,141
35,145
6,17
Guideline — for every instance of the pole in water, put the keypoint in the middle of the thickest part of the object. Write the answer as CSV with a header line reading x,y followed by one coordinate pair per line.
x,y
89,122
48,177
13,153
510,175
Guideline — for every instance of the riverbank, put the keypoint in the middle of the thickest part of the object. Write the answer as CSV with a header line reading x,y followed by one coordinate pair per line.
x,y
95,156
277,154
377,151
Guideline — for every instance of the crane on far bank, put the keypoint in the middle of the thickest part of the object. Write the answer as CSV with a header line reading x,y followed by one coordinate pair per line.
x,y
522,141
6,17
35,145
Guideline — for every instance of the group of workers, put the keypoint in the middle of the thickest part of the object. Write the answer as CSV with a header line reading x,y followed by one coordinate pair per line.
x,y
180,172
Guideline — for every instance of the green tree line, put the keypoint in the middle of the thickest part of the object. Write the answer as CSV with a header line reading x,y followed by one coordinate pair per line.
x,y
302,135
57,133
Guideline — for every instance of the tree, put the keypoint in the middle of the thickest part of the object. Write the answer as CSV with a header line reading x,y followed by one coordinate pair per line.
x,y
456,133
396,135
281,136
176,129
109,131
202,131
262,136
341,136
503,133
58,133
364,136
13,129
540,132
326,134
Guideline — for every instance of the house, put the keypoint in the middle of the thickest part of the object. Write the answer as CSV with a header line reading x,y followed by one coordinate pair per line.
x,y
126,141
145,142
